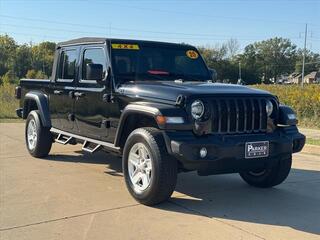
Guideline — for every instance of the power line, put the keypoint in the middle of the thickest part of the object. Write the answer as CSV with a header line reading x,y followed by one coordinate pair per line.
x,y
135,36
216,17
104,27
199,36
49,21
217,36
113,35
31,34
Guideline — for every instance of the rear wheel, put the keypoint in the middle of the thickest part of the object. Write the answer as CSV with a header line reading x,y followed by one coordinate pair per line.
x,y
150,172
38,138
270,176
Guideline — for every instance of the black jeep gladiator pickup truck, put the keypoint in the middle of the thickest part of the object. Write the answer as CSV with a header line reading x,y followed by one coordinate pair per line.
x,y
157,105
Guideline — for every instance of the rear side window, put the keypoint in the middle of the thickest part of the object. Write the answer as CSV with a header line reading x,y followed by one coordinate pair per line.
x,y
94,56
67,65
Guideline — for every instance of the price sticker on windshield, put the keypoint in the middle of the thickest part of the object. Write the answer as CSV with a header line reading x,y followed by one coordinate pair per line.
x,y
125,46
192,54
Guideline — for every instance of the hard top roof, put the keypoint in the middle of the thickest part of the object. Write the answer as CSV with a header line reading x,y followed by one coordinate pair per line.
x,y
95,40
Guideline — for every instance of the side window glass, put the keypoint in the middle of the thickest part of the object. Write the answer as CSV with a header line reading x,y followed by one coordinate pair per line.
x,y
67,65
96,57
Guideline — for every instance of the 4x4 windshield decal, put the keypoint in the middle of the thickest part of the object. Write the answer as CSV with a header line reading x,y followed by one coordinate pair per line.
x,y
125,46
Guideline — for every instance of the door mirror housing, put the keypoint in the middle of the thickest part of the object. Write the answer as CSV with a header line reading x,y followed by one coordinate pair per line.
x,y
94,72
214,74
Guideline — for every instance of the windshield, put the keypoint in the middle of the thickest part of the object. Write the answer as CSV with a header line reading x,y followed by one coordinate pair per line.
x,y
134,62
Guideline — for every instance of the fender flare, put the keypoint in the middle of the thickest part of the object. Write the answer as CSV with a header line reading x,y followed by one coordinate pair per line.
x,y
131,109
150,110
284,112
41,100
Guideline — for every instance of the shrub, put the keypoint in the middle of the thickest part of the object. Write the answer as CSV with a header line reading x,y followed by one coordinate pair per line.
x,y
8,103
304,100
9,78
34,74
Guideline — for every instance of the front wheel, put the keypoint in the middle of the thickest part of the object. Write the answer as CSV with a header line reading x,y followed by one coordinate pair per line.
x,y
38,137
270,176
150,172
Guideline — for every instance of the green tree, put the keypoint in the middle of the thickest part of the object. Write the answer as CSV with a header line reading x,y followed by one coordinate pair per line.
x,y
23,60
217,57
7,53
43,56
249,65
233,47
312,61
16,60
271,58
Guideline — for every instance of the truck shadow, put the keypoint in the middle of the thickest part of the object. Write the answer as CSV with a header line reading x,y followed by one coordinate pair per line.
x,y
295,203
113,163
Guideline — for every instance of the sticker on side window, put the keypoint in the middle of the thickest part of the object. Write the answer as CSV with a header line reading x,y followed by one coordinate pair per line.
x,y
192,54
125,46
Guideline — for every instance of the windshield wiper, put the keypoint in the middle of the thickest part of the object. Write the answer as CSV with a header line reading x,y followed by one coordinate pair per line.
x,y
182,77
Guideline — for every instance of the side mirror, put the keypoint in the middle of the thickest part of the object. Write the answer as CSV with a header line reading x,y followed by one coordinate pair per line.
x,y
213,73
94,72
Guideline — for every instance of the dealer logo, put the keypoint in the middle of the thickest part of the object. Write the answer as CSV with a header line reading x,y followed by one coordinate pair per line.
x,y
257,149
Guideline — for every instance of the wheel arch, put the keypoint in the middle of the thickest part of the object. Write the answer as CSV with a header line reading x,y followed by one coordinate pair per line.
x,y
135,116
34,100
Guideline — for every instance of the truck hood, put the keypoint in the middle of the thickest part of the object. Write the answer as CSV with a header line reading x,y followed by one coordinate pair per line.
x,y
170,90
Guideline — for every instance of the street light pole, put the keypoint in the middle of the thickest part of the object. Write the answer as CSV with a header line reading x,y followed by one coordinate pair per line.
x,y
304,54
239,80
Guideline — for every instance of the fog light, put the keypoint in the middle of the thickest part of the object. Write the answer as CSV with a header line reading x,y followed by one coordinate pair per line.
x,y
203,152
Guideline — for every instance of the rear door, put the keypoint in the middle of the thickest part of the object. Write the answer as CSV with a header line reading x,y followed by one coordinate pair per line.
x,y
61,100
91,112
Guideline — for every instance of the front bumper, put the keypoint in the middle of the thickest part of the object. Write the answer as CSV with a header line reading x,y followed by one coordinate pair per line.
x,y
226,153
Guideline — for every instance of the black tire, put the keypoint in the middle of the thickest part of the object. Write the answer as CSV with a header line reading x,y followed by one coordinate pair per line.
x,y
43,139
271,176
164,167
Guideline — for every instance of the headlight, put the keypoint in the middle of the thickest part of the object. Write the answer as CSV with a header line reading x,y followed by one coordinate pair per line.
x,y
269,108
197,109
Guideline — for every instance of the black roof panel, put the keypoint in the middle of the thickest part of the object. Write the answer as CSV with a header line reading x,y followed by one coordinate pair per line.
x,y
83,40
92,40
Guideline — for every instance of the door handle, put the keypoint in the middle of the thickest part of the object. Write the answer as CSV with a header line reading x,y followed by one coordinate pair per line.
x,y
57,92
79,94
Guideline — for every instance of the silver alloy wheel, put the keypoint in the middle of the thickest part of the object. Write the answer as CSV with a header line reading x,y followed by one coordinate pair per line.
x,y
32,134
140,167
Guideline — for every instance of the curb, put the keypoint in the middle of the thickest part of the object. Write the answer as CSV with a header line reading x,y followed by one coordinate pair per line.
x,y
311,149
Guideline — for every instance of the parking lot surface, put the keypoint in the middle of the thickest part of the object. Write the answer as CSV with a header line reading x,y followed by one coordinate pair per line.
x,y
72,195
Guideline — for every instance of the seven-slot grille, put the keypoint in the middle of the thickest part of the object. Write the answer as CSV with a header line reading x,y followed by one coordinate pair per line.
x,y
239,115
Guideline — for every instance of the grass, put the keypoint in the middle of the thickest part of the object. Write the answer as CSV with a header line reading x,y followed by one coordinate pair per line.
x,y
8,103
305,101
11,120
313,141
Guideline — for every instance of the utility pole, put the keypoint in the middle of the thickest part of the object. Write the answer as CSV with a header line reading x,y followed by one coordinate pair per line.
x,y
239,80
304,53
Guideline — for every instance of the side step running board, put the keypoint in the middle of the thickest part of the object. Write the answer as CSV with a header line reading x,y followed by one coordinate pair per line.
x,y
62,139
89,145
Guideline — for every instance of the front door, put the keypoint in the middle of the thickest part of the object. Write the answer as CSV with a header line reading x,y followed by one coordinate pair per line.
x,y
91,111
61,99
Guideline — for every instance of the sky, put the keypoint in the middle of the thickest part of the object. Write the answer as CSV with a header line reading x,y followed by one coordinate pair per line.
x,y
200,22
